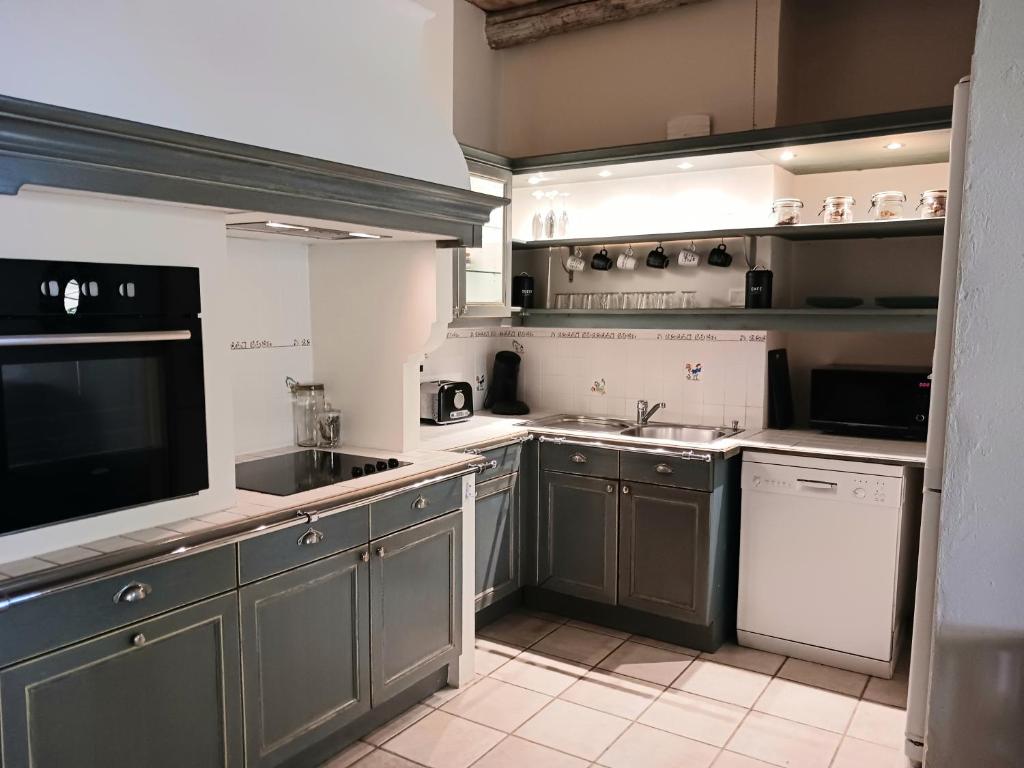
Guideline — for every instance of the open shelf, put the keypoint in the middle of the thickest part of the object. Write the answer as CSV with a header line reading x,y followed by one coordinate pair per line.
x,y
736,319
857,229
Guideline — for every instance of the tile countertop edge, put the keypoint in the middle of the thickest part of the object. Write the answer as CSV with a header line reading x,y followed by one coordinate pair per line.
x,y
27,586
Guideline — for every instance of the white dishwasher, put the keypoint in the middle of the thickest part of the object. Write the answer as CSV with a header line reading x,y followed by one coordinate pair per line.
x,y
825,548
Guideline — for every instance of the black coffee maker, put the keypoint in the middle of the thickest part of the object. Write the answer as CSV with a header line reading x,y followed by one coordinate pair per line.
x,y
503,391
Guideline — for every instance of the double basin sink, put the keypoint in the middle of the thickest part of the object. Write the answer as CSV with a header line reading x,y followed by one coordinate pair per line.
x,y
685,433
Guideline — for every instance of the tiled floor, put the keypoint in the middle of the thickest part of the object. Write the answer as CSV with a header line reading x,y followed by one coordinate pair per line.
x,y
556,694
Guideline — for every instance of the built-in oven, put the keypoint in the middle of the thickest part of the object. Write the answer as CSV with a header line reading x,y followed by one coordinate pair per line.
x,y
102,400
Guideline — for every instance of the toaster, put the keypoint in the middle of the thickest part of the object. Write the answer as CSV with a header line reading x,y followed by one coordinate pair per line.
x,y
445,402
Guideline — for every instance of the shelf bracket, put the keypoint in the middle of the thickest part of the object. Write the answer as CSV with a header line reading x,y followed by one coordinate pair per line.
x,y
750,250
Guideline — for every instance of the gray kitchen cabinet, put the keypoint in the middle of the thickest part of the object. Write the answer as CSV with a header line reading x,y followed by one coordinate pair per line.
x,y
581,518
415,610
497,539
161,693
305,655
663,551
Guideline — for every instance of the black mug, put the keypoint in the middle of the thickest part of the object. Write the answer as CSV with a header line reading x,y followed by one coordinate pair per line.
x,y
602,261
719,257
657,258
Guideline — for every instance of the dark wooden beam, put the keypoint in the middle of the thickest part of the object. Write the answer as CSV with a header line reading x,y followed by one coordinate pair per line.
x,y
529,23
500,5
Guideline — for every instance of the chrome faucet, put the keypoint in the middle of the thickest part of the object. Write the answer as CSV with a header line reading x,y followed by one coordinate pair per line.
x,y
643,415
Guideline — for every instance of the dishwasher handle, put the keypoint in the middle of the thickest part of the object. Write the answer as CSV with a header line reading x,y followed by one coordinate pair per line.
x,y
817,485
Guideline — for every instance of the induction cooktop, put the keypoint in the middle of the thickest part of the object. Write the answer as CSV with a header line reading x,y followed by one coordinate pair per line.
x,y
304,470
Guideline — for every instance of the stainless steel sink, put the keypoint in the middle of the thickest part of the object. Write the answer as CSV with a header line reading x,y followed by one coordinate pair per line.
x,y
582,423
680,432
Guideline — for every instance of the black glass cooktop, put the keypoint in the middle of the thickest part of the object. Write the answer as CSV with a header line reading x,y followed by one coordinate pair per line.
x,y
304,470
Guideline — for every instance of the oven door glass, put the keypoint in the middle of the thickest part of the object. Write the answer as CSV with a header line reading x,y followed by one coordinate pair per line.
x,y
94,426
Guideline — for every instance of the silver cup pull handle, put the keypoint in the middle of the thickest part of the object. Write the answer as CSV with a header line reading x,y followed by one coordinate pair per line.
x,y
421,502
133,593
578,458
311,537
663,469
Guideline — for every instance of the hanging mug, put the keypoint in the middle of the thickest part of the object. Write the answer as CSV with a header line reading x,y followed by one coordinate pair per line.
x,y
719,256
657,258
601,261
575,264
688,257
626,260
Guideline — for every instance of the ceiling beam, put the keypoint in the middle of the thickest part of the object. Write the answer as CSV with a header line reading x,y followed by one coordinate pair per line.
x,y
529,23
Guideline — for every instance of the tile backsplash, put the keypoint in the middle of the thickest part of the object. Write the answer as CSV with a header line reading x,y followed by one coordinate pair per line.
x,y
704,377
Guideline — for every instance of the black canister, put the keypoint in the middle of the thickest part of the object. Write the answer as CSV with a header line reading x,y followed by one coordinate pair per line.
x,y
759,289
522,291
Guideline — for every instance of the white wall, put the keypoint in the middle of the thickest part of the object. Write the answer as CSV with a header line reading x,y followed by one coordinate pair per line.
x,y
268,301
335,80
977,692
477,82
69,227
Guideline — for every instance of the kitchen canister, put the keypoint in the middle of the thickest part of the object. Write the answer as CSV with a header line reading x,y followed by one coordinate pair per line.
x,y
933,203
522,291
759,289
887,205
837,209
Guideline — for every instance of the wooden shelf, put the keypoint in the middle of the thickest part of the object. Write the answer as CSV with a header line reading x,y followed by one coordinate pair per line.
x,y
857,229
730,319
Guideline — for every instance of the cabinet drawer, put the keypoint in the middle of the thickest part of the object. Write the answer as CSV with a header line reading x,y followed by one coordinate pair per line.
x,y
668,470
507,457
82,611
414,507
579,460
281,550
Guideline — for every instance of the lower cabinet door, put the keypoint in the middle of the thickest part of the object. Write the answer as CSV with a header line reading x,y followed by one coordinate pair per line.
x,y
581,514
305,655
415,604
663,551
497,539
164,693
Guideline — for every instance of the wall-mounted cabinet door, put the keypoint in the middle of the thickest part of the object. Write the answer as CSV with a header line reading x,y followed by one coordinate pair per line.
x,y
305,655
483,281
663,551
415,603
164,693
581,515
497,539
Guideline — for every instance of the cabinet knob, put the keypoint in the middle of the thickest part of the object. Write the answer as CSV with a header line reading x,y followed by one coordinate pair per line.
x,y
663,469
380,551
365,557
578,458
138,640
625,489
421,503
311,537
610,488
133,593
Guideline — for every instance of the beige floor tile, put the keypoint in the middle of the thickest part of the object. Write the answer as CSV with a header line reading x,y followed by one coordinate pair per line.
x,y
663,645
514,752
441,740
382,759
695,717
891,692
491,654
784,742
879,724
497,704
732,760
571,728
598,628
746,658
614,694
805,704
439,698
820,676
349,755
645,662
519,629
539,673
854,753
644,747
396,725
577,644
717,681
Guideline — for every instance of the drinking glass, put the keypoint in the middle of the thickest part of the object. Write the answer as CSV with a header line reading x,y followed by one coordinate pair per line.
x,y
561,301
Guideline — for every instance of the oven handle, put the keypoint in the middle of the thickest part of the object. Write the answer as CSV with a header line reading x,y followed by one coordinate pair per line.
x,y
48,340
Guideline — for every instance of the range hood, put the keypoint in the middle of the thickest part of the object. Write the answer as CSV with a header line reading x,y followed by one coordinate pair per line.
x,y
297,228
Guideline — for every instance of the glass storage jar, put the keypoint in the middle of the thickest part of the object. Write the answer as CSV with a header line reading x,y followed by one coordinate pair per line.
x,y
838,209
933,203
786,211
887,205
307,405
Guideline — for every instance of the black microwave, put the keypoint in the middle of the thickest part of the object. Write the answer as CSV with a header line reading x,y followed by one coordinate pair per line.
x,y
101,389
871,401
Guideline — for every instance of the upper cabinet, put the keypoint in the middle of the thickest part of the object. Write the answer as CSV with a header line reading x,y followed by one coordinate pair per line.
x,y
483,280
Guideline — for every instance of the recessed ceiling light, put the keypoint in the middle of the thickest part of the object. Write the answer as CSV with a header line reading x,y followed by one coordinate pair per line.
x,y
282,225
789,154
894,145
535,179
605,173
685,166
364,234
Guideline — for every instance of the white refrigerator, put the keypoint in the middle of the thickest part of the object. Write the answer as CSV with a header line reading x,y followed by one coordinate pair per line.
x,y
924,607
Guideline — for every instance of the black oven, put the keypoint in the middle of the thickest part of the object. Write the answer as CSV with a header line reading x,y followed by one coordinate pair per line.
x,y
101,389
873,401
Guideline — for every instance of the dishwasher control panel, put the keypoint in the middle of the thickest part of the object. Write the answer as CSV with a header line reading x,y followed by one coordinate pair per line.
x,y
829,484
